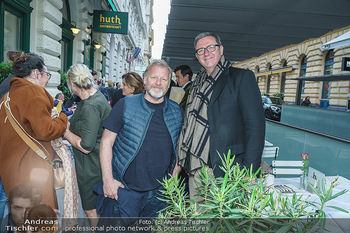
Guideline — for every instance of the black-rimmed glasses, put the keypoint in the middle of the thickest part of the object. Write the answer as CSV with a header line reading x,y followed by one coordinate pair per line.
x,y
209,48
47,73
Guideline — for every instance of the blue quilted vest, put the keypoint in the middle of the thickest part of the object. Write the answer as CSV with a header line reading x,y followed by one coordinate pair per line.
x,y
136,118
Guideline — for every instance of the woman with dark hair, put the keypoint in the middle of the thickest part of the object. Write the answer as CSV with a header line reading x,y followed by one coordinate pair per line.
x,y
30,105
132,84
306,101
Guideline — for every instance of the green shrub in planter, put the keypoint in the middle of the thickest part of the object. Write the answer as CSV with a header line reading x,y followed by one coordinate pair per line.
x,y
239,202
5,70
63,87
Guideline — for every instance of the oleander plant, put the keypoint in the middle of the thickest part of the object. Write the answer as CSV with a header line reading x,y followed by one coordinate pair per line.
x,y
239,202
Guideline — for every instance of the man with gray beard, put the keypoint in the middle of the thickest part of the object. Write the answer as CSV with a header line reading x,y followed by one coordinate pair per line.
x,y
138,146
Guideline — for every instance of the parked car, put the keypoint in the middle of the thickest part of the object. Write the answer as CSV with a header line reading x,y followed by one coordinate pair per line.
x,y
272,107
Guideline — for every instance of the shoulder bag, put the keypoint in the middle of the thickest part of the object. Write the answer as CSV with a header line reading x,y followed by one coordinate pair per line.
x,y
58,170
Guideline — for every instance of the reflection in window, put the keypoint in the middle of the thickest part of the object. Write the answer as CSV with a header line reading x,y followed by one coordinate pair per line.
x,y
302,73
328,70
12,30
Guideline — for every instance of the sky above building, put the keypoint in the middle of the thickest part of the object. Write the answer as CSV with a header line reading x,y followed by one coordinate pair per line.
x,y
161,10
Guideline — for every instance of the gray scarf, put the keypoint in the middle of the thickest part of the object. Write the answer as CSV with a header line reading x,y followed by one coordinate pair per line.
x,y
193,147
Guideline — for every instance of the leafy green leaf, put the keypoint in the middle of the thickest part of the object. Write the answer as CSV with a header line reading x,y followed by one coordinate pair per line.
x,y
338,208
285,228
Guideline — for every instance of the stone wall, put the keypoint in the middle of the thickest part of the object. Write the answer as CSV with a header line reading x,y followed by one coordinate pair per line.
x,y
293,54
46,34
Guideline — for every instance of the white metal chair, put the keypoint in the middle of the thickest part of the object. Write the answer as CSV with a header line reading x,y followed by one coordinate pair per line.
x,y
287,167
270,152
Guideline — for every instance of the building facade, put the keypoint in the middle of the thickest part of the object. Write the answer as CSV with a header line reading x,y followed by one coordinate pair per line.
x,y
277,70
44,27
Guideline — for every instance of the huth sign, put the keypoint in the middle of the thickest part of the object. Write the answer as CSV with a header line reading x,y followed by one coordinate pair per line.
x,y
345,64
110,22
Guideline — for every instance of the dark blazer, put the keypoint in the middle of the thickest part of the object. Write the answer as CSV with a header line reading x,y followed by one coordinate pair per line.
x,y
236,119
184,99
116,95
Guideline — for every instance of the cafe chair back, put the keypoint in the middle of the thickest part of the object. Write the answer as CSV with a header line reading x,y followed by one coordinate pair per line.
x,y
270,152
287,167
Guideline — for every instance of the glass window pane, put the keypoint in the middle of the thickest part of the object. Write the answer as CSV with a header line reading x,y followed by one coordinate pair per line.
x,y
328,70
12,30
326,92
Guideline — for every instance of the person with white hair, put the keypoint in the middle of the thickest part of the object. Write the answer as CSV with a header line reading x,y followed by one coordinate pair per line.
x,y
85,133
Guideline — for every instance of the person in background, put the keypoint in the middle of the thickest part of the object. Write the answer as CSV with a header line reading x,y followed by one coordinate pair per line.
x,y
306,102
60,97
72,102
183,78
5,85
103,90
31,105
114,94
85,133
172,84
99,83
110,83
94,75
223,112
132,84
3,200
133,159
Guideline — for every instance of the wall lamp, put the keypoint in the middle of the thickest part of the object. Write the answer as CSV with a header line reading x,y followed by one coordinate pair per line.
x,y
74,28
96,44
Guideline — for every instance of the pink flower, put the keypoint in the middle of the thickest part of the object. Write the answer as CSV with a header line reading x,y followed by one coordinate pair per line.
x,y
304,156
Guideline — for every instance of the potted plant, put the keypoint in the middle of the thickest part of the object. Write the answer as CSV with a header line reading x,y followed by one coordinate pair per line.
x,y
239,202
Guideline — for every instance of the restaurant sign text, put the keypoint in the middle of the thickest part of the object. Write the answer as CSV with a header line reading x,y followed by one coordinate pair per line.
x,y
110,22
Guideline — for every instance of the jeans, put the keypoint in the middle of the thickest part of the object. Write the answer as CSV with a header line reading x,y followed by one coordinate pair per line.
x,y
3,200
135,204
130,206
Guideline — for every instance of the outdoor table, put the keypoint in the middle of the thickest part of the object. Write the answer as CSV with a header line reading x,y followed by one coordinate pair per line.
x,y
337,221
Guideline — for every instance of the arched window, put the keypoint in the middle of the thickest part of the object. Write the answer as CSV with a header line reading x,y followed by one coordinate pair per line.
x,y
302,73
268,83
257,77
283,79
328,69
